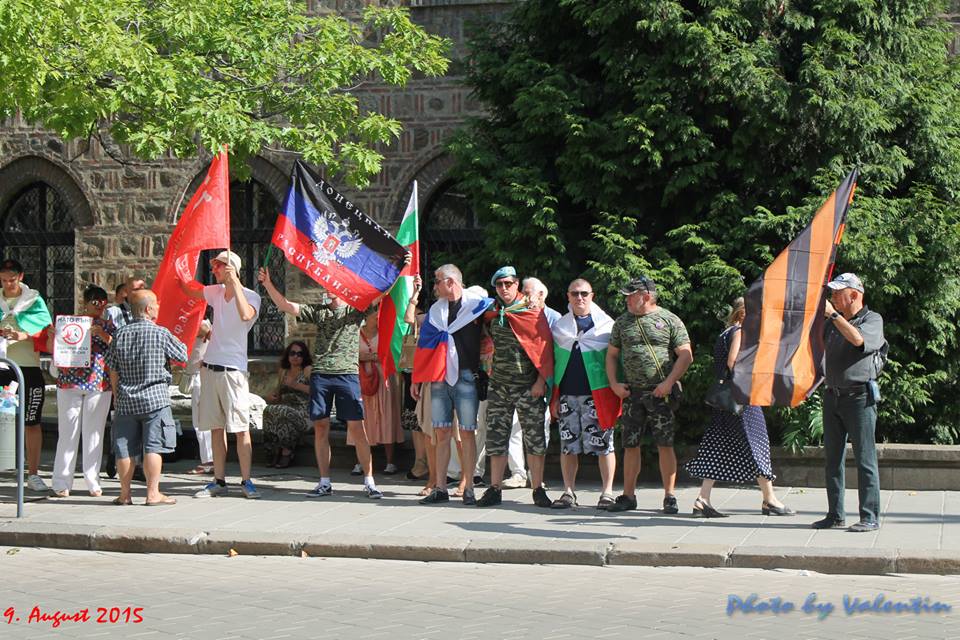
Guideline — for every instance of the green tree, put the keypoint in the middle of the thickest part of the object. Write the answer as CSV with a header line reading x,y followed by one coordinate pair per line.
x,y
184,75
692,140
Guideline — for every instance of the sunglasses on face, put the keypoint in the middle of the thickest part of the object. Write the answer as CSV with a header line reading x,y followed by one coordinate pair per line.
x,y
98,303
580,294
298,354
506,284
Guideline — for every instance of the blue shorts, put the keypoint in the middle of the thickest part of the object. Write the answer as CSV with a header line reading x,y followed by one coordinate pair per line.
x,y
463,396
153,432
343,388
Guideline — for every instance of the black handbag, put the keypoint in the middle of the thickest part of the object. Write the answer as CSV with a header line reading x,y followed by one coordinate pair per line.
x,y
720,396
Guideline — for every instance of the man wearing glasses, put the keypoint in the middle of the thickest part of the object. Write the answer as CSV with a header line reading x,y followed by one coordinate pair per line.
x,y
656,353
580,342
522,364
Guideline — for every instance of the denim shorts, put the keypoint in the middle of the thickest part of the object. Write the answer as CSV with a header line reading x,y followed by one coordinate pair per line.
x,y
153,432
463,396
344,389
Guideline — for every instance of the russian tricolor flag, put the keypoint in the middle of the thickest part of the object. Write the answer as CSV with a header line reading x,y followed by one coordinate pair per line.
x,y
436,356
331,240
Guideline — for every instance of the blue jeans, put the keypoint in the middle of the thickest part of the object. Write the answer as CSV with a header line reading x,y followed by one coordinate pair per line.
x,y
463,396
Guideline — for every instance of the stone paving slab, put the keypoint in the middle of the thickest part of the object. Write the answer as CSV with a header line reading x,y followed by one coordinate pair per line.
x,y
920,530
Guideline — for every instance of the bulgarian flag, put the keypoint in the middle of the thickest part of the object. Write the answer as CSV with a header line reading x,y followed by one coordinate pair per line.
x,y
391,326
593,349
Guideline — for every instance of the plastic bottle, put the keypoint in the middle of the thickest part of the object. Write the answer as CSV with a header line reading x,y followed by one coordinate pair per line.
x,y
8,426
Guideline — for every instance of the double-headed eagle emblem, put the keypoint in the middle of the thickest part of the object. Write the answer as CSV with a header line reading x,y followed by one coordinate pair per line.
x,y
333,240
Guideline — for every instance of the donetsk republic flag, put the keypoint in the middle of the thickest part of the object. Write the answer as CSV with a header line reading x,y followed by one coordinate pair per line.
x,y
331,240
781,352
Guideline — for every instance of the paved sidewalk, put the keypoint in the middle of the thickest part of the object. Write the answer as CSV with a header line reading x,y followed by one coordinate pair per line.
x,y
920,530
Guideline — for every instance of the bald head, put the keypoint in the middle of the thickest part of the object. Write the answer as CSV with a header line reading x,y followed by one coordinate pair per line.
x,y
143,304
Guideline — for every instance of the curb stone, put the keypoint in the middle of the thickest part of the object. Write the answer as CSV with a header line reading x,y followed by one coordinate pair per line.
x,y
637,553
822,560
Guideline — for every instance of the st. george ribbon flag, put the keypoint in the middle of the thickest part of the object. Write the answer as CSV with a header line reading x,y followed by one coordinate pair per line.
x,y
331,240
205,224
781,350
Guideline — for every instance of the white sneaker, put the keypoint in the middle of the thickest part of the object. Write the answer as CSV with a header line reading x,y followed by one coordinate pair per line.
x,y
390,469
36,483
516,481
357,471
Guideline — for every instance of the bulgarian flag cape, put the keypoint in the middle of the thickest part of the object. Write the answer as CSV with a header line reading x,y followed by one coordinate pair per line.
x,y
31,314
391,326
532,331
593,349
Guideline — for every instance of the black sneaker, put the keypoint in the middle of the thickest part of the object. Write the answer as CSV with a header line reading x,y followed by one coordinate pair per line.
x,y
478,482
436,496
566,501
670,505
541,499
490,498
623,503
469,499
829,523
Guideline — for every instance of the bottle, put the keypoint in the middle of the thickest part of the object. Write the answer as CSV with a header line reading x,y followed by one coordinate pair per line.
x,y
8,426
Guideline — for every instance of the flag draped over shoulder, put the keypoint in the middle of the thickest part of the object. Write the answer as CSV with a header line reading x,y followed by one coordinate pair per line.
x,y
391,327
532,331
781,353
32,317
205,224
330,239
593,349
435,359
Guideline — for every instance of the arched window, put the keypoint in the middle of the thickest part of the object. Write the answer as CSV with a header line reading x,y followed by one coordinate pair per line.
x,y
253,214
449,230
38,231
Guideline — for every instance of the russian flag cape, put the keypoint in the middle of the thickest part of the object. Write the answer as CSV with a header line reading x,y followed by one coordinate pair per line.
x,y
593,350
436,356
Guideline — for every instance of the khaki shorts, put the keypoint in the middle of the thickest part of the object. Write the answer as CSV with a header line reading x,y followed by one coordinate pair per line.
x,y
224,401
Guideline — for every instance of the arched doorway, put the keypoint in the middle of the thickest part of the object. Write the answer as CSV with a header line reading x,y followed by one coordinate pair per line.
x,y
449,233
38,230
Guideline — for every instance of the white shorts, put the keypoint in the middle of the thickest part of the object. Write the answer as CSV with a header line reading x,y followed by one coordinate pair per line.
x,y
224,401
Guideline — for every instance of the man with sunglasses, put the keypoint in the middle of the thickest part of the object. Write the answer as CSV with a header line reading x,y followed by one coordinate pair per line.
x,y
656,352
580,340
522,364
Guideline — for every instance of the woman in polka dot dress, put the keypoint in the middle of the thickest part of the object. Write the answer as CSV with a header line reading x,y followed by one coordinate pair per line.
x,y
734,448
83,401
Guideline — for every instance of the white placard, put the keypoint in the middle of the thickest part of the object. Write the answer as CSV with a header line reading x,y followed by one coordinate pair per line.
x,y
71,344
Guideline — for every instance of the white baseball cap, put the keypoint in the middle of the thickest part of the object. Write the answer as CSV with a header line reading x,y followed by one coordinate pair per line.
x,y
230,258
846,281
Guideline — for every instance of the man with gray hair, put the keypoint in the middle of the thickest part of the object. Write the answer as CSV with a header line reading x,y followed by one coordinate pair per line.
x,y
537,293
139,360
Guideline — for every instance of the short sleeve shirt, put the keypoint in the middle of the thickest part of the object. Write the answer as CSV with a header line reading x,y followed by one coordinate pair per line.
x,y
228,338
336,350
94,377
575,381
141,354
846,364
664,331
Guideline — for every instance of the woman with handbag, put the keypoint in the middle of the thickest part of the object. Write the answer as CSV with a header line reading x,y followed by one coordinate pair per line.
x,y
285,418
381,398
735,447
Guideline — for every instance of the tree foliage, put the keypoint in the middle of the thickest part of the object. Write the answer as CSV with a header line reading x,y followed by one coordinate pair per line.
x,y
691,140
181,75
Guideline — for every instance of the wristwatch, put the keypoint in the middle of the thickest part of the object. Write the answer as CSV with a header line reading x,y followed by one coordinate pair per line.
x,y
834,315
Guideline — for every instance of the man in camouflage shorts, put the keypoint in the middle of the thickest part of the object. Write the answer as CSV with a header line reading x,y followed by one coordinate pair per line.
x,y
516,384
656,352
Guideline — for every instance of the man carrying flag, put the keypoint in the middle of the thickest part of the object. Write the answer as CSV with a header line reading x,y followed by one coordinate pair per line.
x,y
451,366
522,372
587,408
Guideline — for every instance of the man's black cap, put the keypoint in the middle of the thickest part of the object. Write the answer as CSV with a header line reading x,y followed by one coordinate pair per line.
x,y
641,283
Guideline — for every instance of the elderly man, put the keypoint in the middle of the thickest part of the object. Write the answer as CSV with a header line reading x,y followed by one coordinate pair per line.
x,y
522,365
139,359
586,406
656,353
120,313
225,396
335,377
536,292
23,317
455,318
854,344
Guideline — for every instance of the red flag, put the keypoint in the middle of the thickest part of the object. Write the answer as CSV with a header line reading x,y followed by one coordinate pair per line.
x,y
205,224
781,352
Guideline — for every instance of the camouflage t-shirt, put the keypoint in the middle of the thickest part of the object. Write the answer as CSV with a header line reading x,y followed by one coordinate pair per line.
x,y
336,350
510,362
664,331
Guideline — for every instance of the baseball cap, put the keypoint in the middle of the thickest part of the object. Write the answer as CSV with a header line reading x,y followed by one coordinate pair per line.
x,y
642,283
846,281
230,258
503,272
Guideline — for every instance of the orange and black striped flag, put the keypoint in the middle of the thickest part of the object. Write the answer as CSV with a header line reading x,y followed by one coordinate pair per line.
x,y
781,350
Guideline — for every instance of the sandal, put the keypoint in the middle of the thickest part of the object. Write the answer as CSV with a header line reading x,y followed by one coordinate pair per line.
x,y
425,491
201,470
120,502
164,499
284,461
96,493
703,509
456,493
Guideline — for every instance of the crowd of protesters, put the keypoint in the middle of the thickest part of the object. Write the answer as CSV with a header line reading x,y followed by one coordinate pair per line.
x,y
509,366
